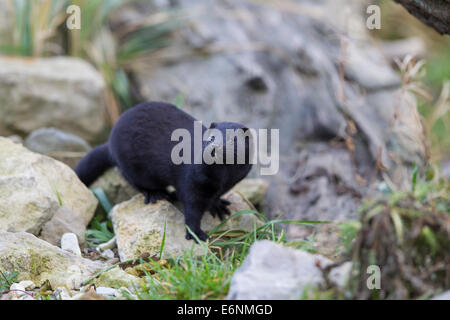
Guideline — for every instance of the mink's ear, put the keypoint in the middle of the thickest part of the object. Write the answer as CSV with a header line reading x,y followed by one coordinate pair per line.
x,y
213,125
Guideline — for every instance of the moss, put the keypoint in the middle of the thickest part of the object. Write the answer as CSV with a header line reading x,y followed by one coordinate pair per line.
x,y
117,278
150,243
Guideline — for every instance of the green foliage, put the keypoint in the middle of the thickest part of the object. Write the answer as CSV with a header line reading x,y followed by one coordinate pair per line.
x,y
103,199
99,232
348,231
405,231
7,279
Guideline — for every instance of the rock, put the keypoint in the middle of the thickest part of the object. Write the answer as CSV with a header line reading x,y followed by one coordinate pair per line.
x,y
63,221
442,296
116,278
311,71
48,140
90,294
34,187
69,243
40,92
65,147
39,261
18,292
116,188
105,291
27,284
254,190
111,244
139,227
108,254
17,287
61,293
16,139
272,271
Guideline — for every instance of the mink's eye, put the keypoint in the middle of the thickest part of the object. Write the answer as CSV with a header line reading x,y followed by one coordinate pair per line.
x,y
211,138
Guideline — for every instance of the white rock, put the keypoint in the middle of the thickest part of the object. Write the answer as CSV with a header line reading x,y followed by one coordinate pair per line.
x,y
106,291
17,287
272,271
111,244
443,296
61,293
33,187
69,242
27,284
108,254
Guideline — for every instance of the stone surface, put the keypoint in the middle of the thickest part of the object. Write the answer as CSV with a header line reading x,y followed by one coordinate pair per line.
x,y
48,140
69,243
254,190
105,291
39,261
117,278
63,221
65,147
272,271
443,296
33,188
61,293
41,92
139,228
27,284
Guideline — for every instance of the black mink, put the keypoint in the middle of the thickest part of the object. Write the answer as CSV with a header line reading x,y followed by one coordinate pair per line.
x,y
140,146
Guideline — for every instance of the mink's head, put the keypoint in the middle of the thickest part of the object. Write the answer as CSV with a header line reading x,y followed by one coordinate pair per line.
x,y
229,143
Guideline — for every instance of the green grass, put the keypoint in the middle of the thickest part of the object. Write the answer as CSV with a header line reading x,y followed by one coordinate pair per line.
x,y
99,232
208,276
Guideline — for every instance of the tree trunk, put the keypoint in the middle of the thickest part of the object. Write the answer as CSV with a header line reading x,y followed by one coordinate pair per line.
x,y
435,13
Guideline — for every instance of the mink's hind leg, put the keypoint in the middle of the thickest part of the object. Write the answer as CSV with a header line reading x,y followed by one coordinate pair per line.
x,y
193,214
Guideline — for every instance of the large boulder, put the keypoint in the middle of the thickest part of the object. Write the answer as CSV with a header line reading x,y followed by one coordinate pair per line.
x,y
272,271
37,260
139,227
33,188
42,92
311,70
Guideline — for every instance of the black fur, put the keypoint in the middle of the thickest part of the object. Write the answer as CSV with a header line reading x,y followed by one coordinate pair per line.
x,y
140,146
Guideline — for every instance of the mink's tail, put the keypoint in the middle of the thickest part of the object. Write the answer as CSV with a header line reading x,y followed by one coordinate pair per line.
x,y
93,164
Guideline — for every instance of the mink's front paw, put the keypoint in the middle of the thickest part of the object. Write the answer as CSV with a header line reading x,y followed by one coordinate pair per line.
x,y
200,234
220,209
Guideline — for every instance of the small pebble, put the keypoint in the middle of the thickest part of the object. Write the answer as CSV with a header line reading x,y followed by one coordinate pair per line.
x,y
69,242
27,284
105,291
107,254
107,245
